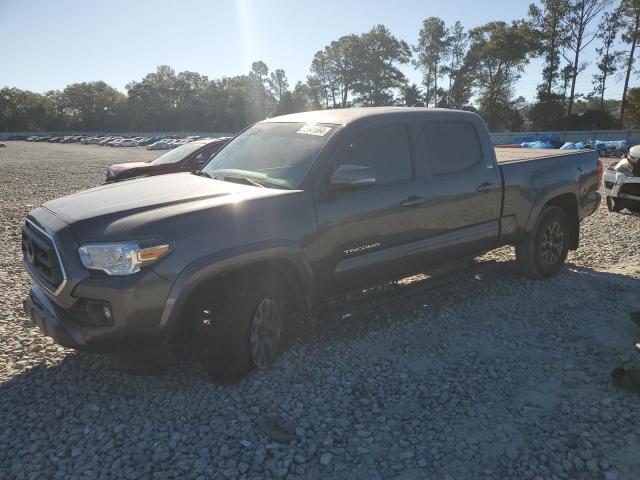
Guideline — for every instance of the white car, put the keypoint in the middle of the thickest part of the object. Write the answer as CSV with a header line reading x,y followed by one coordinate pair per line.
x,y
159,145
114,141
105,141
126,142
622,183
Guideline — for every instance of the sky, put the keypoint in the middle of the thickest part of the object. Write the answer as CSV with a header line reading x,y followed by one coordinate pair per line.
x,y
46,45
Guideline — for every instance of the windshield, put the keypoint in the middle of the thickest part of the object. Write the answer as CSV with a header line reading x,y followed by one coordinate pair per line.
x,y
177,154
276,154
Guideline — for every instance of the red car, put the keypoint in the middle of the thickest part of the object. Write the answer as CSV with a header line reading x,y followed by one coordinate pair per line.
x,y
186,158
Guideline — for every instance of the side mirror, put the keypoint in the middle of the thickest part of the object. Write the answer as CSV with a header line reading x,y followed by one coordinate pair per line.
x,y
352,176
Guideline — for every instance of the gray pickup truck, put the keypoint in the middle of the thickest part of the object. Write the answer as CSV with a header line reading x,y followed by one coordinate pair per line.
x,y
293,210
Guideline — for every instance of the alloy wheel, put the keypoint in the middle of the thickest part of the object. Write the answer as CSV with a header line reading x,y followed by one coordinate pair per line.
x,y
266,328
552,244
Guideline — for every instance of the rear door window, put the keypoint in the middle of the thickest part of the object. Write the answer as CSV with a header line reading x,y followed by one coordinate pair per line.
x,y
386,150
451,146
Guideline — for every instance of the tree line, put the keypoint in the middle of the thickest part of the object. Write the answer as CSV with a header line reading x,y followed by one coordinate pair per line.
x,y
476,69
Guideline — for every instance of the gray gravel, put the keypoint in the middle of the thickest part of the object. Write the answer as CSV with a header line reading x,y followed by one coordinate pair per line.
x,y
496,377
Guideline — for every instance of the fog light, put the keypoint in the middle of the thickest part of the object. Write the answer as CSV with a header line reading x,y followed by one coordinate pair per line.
x,y
106,313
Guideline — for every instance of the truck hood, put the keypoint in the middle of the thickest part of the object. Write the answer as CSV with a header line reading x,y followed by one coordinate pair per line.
x,y
115,210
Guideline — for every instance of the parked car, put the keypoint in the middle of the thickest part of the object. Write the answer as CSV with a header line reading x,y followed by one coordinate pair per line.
x,y
293,210
2,144
622,183
186,158
159,145
106,140
125,142
114,141
148,141
91,141
176,142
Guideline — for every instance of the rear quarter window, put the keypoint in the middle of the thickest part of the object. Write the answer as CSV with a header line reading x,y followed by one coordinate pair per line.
x,y
451,146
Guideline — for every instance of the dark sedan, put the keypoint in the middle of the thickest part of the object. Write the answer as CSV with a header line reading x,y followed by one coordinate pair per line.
x,y
186,158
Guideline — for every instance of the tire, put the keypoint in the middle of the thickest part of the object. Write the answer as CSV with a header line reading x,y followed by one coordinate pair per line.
x,y
543,253
614,205
249,330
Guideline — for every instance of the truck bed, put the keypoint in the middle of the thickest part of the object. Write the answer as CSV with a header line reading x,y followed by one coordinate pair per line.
x,y
531,173
509,155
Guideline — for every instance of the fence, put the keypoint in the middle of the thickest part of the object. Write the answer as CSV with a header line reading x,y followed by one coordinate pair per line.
x,y
631,136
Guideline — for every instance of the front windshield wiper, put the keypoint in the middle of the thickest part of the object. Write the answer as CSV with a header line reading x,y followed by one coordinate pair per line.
x,y
241,179
202,173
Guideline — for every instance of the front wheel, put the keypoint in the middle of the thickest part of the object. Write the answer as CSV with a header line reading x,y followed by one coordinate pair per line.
x,y
249,330
543,253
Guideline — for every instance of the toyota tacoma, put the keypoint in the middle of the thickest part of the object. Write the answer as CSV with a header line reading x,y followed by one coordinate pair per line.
x,y
295,209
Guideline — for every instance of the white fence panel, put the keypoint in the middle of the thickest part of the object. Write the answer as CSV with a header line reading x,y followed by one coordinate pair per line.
x,y
631,136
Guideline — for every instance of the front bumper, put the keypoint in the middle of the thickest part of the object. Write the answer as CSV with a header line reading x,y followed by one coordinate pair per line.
x,y
52,321
613,184
136,304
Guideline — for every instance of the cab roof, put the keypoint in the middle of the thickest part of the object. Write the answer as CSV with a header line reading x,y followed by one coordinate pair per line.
x,y
207,141
343,116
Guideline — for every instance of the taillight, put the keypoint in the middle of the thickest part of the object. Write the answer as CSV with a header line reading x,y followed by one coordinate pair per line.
x,y
599,171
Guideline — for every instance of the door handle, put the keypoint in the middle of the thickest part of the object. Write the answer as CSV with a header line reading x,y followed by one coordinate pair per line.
x,y
413,201
485,187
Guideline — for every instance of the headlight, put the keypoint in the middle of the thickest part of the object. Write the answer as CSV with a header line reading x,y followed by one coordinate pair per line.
x,y
120,258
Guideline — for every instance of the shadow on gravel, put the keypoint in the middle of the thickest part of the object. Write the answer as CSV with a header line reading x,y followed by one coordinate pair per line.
x,y
100,372
503,345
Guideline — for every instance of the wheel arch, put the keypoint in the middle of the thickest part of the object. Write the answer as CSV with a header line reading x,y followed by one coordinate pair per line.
x,y
566,199
290,264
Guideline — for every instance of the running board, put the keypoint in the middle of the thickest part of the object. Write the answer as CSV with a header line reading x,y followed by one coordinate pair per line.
x,y
442,276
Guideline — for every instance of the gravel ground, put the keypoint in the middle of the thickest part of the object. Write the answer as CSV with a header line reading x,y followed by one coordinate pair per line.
x,y
496,377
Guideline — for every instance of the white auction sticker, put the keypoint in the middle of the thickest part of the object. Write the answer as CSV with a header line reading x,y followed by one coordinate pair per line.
x,y
317,130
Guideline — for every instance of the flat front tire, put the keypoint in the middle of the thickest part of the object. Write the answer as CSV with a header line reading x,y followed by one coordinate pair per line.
x,y
543,253
249,330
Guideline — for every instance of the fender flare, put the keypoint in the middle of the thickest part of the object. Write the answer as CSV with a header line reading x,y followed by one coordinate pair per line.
x,y
544,198
228,261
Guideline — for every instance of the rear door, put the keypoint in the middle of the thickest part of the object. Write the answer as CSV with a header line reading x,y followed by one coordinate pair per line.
x,y
363,232
463,190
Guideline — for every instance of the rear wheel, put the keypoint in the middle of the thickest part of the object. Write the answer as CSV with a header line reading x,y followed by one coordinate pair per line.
x,y
248,331
543,253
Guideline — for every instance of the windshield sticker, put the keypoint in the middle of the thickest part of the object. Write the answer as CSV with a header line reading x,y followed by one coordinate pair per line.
x,y
317,130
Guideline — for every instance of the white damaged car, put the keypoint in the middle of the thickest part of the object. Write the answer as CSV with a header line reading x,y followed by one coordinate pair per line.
x,y
622,183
